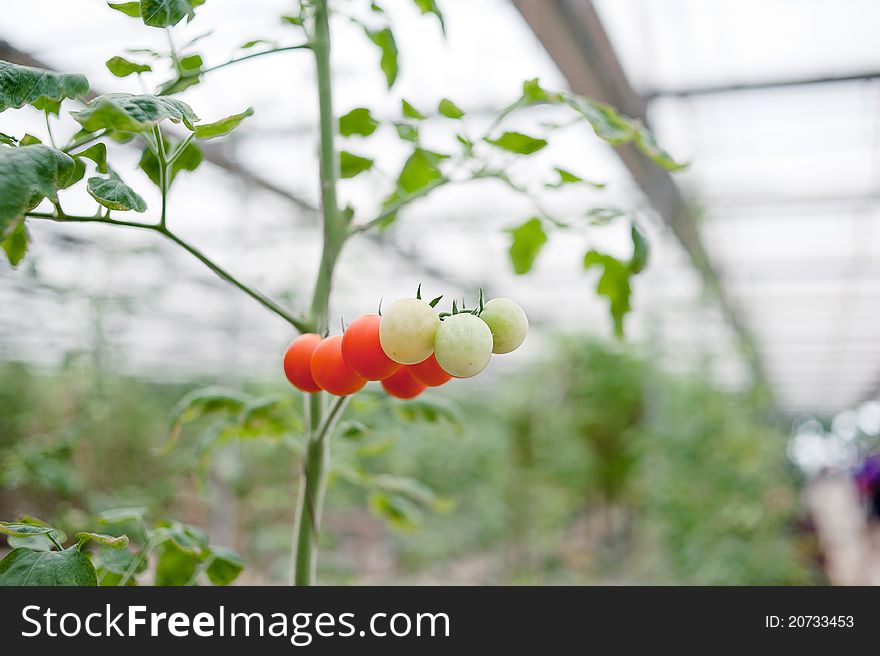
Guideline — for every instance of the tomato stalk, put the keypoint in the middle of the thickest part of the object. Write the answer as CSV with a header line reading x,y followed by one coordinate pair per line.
x,y
312,487
335,231
164,170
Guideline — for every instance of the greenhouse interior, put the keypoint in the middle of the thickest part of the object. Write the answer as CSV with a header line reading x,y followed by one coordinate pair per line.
x,y
716,423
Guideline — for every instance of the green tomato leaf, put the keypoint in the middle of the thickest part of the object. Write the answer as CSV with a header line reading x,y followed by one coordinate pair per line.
x,y
419,170
641,250
29,140
613,284
528,240
97,153
23,530
203,402
166,13
184,537
8,140
28,175
35,542
225,566
115,542
181,549
517,142
115,560
114,194
112,565
132,9
79,171
407,131
48,106
122,515
16,244
175,566
645,142
600,216
411,488
400,513
353,430
411,112
449,109
127,113
189,74
24,85
47,568
432,412
384,40
375,448
188,160
430,7
47,539
272,416
533,93
247,45
607,122
190,63
358,121
351,165
121,67
568,178
222,127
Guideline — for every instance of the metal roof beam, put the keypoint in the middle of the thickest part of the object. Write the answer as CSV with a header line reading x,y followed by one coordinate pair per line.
x,y
767,85
573,35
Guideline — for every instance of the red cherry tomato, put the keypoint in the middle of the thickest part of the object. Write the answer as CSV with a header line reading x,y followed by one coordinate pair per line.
x,y
362,351
298,362
330,371
403,385
429,373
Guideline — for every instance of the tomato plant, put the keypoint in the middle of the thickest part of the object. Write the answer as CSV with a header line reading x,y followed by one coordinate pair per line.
x,y
183,554
35,178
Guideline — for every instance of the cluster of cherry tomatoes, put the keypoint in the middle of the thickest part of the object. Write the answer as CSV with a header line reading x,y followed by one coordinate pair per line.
x,y
409,348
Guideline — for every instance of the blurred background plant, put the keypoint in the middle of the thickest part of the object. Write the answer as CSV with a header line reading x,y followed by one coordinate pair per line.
x,y
590,466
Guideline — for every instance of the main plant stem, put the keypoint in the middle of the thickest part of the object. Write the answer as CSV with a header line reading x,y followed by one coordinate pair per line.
x,y
320,428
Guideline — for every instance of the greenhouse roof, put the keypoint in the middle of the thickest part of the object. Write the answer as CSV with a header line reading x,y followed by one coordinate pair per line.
x,y
784,171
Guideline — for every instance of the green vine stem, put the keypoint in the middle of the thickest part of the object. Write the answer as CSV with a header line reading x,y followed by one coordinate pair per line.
x,y
164,170
254,55
313,482
312,488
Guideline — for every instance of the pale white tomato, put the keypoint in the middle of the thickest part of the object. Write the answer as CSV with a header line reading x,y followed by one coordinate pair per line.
x,y
463,345
508,323
407,330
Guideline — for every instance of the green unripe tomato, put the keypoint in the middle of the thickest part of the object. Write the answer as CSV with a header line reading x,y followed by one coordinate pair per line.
x,y
407,330
508,323
463,345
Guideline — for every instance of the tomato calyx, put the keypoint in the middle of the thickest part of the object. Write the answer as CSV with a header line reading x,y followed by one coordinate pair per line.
x,y
433,303
464,309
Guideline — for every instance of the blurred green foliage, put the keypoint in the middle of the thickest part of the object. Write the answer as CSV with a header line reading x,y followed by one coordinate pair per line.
x,y
608,471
